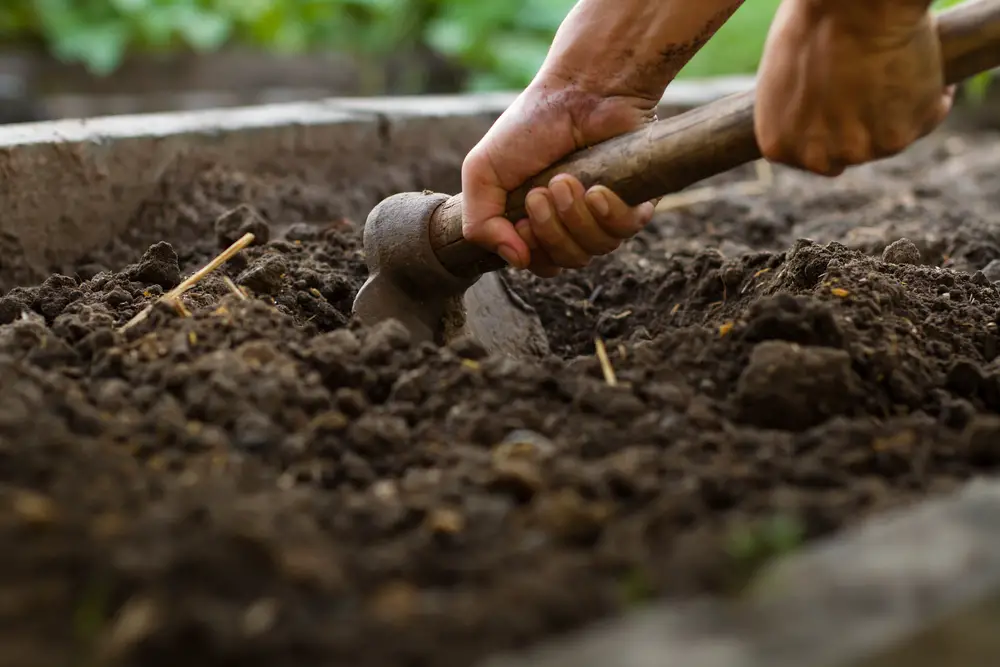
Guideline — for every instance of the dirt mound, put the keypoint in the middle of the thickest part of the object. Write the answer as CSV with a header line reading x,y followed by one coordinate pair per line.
x,y
260,481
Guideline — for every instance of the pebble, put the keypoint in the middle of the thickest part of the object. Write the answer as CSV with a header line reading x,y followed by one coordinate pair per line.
x,y
34,508
979,278
992,270
524,439
903,251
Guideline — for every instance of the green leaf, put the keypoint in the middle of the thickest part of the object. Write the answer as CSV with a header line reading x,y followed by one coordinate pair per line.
x,y
100,47
204,31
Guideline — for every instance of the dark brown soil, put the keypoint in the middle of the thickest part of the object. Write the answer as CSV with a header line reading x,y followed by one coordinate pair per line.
x,y
264,483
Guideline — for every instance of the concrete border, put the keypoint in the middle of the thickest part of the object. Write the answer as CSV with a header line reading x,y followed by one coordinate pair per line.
x,y
68,187
925,576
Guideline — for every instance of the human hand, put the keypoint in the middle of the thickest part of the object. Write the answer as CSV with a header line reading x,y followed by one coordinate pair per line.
x,y
844,82
566,224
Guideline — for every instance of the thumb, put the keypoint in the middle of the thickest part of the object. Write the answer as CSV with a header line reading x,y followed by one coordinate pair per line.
x,y
484,202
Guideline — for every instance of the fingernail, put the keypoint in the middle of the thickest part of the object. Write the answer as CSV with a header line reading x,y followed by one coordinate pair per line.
x,y
600,202
509,255
563,195
538,207
647,211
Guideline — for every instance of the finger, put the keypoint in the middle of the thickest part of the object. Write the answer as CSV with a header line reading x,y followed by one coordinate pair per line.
x,y
855,146
616,218
943,109
523,228
550,233
578,220
484,202
815,157
541,264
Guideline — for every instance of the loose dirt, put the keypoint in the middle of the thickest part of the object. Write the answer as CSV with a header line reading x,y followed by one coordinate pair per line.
x,y
262,482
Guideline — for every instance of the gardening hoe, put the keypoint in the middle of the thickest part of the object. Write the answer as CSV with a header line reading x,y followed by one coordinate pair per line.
x,y
424,273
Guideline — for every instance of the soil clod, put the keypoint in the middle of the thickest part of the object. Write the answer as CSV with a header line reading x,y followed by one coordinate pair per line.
x,y
158,266
903,251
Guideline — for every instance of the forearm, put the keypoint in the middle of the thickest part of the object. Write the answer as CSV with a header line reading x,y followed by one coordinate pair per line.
x,y
633,47
868,16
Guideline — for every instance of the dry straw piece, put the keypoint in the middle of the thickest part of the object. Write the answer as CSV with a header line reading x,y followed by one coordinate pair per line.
x,y
175,294
234,288
606,367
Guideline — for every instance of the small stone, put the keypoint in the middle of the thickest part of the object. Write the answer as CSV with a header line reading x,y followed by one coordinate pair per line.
x,y
260,617
445,521
519,478
135,622
33,508
329,422
526,441
903,251
158,266
395,603
467,347
992,270
235,224
517,463
979,278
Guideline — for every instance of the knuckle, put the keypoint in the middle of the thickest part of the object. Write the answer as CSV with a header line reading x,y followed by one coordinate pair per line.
x,y
895,141
471,230
607,248
471,161
854,152
813,162
569,257
772,148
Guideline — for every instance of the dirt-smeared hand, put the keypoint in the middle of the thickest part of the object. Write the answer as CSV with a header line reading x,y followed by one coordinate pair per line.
x,y
847,82
566,224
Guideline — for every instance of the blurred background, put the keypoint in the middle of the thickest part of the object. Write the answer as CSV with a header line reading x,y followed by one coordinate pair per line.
x,y
79,58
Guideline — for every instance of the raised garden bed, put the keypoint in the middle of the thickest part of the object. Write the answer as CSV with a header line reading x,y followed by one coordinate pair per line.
x,y
261,482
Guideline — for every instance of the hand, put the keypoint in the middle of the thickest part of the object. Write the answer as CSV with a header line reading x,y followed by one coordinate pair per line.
x,y
566,225
843,82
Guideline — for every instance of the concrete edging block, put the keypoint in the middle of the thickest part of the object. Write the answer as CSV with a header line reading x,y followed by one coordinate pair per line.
x,y
845,601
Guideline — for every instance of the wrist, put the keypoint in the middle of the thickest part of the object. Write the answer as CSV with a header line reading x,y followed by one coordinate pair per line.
x,y
632,48
605,72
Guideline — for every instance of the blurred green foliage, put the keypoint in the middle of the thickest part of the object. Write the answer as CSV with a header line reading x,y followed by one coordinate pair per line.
x,y
501,42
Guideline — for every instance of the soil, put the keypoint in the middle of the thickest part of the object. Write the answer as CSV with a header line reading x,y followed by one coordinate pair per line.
x,y
260,481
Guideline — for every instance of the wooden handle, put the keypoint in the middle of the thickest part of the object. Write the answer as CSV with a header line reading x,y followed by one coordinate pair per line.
x,y
669,155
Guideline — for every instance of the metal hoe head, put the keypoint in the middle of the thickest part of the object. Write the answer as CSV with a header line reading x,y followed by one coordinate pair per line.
x,y
408,283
